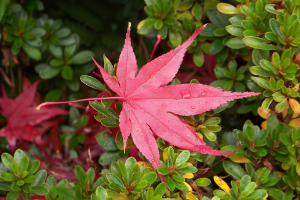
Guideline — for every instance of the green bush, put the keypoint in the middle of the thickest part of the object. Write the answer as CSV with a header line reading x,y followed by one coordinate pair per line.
x,y
249,45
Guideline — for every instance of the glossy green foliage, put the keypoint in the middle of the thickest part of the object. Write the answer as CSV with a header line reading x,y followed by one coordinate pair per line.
x,y
23,176
114,147
252,138
174,168
129,177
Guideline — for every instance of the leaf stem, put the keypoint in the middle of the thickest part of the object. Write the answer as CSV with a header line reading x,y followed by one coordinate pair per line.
x,y
155,46
75,101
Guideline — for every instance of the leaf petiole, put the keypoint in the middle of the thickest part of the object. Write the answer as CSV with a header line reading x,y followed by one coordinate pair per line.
x,y
75,101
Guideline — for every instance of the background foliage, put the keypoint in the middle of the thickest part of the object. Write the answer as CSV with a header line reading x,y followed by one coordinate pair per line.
x,y
246,46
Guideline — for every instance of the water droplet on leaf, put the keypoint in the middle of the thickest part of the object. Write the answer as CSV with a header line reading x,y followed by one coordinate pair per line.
x,y
185,94
203,93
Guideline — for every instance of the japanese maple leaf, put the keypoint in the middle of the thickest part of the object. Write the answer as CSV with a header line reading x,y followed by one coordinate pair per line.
x,y
23,120
151,106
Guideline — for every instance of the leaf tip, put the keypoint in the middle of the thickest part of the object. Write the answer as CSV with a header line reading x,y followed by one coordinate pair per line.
x,y
129,25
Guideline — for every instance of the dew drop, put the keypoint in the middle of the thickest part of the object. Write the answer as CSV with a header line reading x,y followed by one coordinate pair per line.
x,y
193,107
203,93
185,94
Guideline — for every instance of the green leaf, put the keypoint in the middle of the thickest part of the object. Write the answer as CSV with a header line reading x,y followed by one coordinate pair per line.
x,y
28,35
202,182
158,24
237,20
26,188
38,31
259,43
280,106
78,192
24,164
18,155
56,51
92,82
81,175
5,186
106,141
257,70
53,95
170,183
7,160
275,26
18,42
163,171
7,177
227,9
82,57
198,58
175,37
15,187
15,168
266,103
63,32
149,177
181,186
120,143
216,46
30,179
33,167
40,178
101,193
228,85
235,170
249,189
56,62
108,122
12,195
236,43
273,37
270,8
65,192
115,179
3,6
32,52
235,30
109,157
261,82
67,72
212,121
63,42
91,176
197,10
258,55
104,111
220,32
285,139
182,157
73,84
149,22
160,189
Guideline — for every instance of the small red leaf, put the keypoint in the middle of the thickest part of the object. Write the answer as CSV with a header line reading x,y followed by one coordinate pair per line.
x,y
22,117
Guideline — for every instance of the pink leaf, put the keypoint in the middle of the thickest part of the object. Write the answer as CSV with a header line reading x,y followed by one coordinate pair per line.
x,y
149,106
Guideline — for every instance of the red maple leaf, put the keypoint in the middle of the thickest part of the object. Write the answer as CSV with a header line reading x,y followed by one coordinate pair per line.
x,y
23,120
151,106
